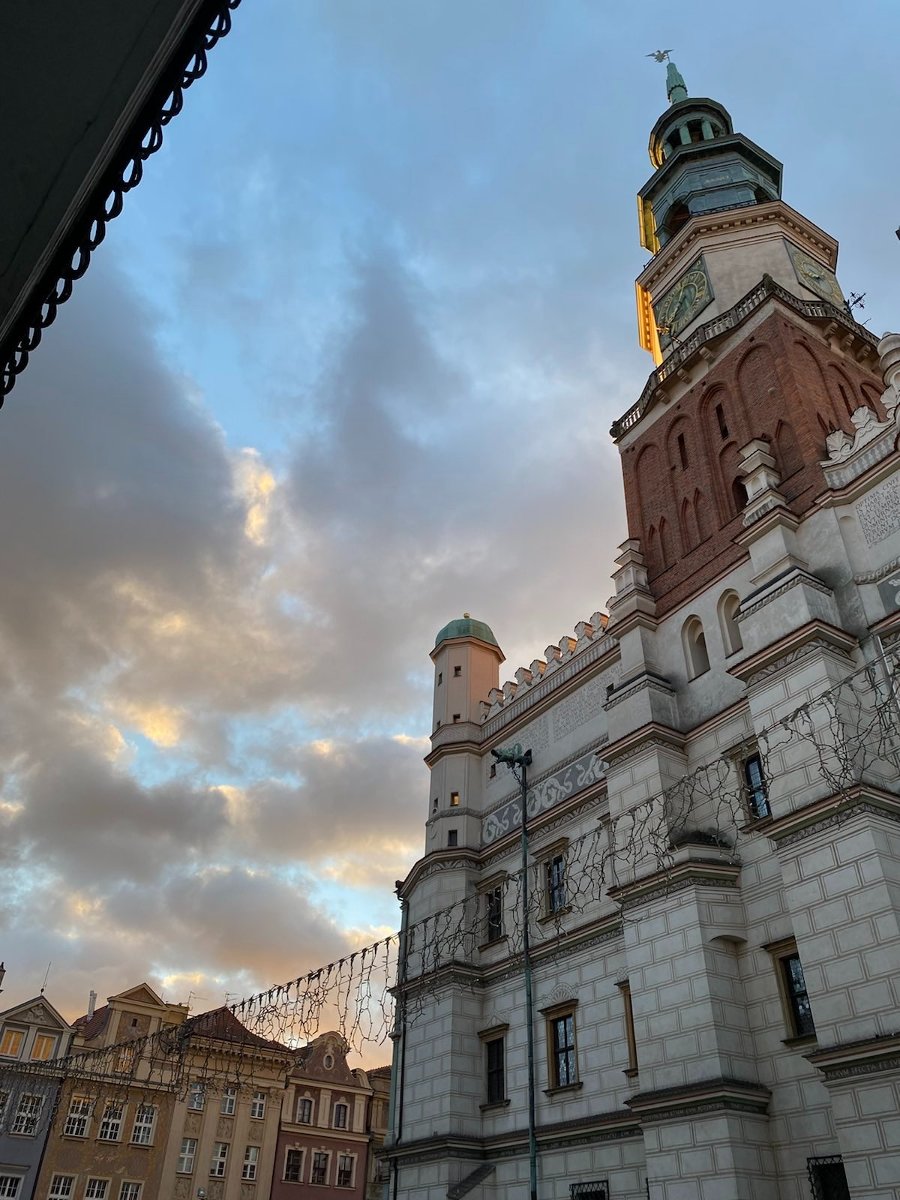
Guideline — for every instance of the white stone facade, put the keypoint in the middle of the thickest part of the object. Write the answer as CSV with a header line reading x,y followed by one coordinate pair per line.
x,y
677,912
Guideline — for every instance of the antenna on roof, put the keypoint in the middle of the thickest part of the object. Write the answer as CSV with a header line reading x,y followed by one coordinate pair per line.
x,y
46,976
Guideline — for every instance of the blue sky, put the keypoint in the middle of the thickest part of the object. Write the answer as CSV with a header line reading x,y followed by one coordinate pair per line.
x,y
343,369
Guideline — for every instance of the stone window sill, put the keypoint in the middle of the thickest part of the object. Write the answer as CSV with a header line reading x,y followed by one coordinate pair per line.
x,y
565,1087
494,1105
497,941
807,1039
631,1073
555,915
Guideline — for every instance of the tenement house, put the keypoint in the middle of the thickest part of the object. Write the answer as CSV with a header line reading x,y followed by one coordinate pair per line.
x,y
691,993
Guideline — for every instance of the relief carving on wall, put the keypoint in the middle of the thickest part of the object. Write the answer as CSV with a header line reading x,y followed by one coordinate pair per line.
x,y
584,771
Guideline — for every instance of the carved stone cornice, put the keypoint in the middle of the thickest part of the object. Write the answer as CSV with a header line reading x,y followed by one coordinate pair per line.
x,y
693,873
833,810
815,635
711,1095
647,681
640,740
852,1060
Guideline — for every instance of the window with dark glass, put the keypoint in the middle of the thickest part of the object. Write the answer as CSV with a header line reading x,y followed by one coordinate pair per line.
x,y
452,838
682,451
344,1170
556,883
457,671
495,1070
293,1166
797,997
304,1111
319,1172
562,1029
723,424
340,1116
755,783
827,1178
493,909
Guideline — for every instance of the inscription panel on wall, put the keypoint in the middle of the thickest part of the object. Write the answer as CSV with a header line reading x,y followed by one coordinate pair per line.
x,y
879,512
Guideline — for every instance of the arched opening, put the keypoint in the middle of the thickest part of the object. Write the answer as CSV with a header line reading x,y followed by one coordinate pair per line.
x,y
676,218
701,516
693,640
729,607
665,549
787,451
689,537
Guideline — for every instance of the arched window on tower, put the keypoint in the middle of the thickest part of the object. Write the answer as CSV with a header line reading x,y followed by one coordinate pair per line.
x,y
729,607
693,640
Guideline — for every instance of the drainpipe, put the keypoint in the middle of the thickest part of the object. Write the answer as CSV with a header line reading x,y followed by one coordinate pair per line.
x,y
398,1057
515,758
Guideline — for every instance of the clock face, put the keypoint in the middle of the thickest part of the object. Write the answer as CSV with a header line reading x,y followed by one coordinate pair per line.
x,y
682,302
815,276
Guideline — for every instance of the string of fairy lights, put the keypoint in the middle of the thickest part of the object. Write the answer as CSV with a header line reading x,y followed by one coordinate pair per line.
x,y
844,738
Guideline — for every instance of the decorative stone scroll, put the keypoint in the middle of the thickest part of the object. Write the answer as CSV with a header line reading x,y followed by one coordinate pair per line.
x,y
564,783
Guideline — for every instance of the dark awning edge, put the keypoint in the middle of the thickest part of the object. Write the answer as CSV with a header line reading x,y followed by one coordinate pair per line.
x,y
144,137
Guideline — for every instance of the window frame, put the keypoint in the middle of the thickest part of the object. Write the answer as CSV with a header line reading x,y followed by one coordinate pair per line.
x,y
141,1123
624,987
258,1106
134,1189
781,953
316,1154
196,1097
95,1194
553,884
301,1152
219,1159
12,1031
816,1182
26,1123
10,1177
228,1102
351,1158
495,1073
753,791
555,1049
84,1114
108,1121
494,929
51,1039
187,1155
250,1163
304,1100
54,1192
345,1107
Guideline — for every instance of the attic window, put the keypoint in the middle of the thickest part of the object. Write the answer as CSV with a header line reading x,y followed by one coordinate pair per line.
x,y
328,1062
454,799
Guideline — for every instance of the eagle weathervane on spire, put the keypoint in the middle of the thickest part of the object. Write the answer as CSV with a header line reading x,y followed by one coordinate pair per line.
x,y
676,88
661,56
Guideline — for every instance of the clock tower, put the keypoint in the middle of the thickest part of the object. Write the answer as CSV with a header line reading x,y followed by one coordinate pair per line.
x,y
752,339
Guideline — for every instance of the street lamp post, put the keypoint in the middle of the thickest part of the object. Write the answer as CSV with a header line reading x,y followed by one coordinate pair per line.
x,y
518,762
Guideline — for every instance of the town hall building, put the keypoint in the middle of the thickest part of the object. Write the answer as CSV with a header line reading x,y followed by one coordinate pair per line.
x,y
692,990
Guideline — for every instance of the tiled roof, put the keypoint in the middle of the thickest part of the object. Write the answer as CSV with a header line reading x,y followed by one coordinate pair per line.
x,y
92,1027
380,1072
221,1023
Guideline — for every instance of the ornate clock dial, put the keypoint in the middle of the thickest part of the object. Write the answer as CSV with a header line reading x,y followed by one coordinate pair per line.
x,y
682,302
816,276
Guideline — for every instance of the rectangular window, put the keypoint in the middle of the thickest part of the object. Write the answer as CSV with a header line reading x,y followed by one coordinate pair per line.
x,y
197,1097
345,1170
452,838
130,1190
11,1047
9,1186
495,1070
827,1178
61,1187
682,451
798,999
219,1159
78,1117
493,914
27,1115
304,1111
319,1173
293,1166
556,883
755,785
454,799
186,1156
625,989
456,718
111,1123
251,1162
457,671
125,1060
440,678
144,1123
229,1100
340,1116
564,1069
594,1189
492,774
258,1106
44,1047
96,1189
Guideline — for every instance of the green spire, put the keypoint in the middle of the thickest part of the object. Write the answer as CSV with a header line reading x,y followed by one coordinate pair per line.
x,y
675,85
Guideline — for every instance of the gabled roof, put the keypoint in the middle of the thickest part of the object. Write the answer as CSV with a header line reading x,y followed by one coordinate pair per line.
x,y
93,1027
143,993
37,1011
223,1025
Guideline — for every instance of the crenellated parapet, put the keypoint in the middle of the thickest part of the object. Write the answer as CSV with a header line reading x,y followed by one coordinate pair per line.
x,y
555,658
